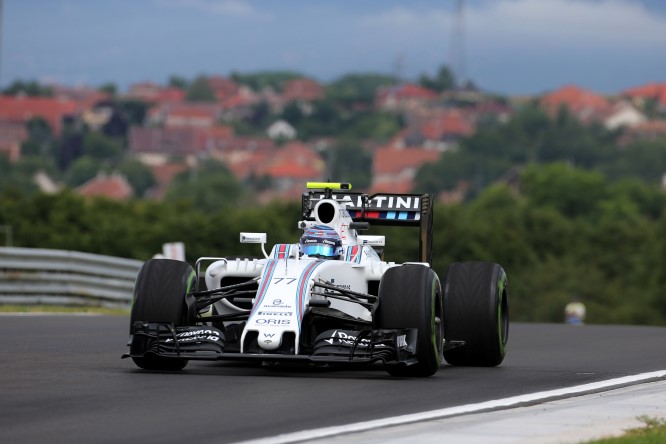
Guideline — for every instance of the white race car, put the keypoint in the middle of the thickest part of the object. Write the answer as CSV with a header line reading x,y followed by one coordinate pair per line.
x,y
328,299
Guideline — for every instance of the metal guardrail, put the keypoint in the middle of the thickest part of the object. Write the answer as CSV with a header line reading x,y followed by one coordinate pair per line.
x,y
34,276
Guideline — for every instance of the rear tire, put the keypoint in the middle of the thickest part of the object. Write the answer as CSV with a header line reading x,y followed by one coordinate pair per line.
x,y
476,310
160,296
410,296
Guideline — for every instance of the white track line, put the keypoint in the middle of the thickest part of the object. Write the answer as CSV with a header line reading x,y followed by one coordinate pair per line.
x,y
514,401
48,313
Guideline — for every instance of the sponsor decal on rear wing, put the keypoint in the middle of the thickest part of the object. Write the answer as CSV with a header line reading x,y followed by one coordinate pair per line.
x,y
384,209
381,209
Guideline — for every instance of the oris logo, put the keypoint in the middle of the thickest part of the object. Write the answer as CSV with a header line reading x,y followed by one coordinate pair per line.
x,y
273,322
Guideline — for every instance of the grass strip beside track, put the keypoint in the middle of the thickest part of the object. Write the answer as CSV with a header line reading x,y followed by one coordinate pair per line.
x,y
653,432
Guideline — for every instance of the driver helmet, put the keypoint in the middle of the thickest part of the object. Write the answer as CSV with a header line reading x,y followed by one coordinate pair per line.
x,y
322,242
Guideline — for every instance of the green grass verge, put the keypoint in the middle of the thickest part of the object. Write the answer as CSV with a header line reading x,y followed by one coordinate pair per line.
x,y
654,432
61,309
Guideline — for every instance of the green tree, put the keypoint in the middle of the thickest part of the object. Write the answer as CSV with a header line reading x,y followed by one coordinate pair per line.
x,y
134,110
260,80
573,192
40,138
349,162
11,180
82,170
178,82
357,88
138,175
373,125
293,114
325,120
109,88
210,187
200,91
29,88
100,147
530,137
645,160
443,81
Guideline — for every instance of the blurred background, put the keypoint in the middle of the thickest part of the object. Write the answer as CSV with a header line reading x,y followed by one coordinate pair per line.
x,y
539,128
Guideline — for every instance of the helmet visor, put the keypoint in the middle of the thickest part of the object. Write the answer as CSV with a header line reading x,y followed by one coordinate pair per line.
x,y
319,250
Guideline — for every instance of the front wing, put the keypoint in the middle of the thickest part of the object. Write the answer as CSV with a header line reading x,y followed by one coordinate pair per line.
x,y
388,346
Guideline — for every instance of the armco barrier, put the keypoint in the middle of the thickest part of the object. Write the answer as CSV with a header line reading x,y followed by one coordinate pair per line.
x,y
32,276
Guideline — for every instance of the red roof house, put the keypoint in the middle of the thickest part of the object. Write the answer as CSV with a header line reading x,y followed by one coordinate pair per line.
x,y
451,124
152,92
223,88
405,95
656,91
585,105
192,115
164,175
394,169
302,89
114,187
166,142
12,135
23,108
289,168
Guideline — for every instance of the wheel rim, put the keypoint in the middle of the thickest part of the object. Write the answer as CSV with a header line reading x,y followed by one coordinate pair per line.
x,y
504,320
439,326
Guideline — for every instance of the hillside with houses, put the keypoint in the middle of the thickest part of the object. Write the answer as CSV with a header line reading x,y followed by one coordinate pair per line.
x,y
269,133
565,189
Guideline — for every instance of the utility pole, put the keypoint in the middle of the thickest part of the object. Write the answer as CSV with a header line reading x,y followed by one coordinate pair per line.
x,y
1,29
9,238
399,65
458,44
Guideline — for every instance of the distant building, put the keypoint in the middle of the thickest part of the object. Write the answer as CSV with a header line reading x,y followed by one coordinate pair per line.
x,y
164,174
152,92
649,130
444,129
623,114
289,167
223,88
12,135
640,95
21,109
45,183
280,129
403,96
306,90
394,169
585,105
155,146
113,187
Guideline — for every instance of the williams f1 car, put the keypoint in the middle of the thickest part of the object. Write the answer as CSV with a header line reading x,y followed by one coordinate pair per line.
x,y
329,299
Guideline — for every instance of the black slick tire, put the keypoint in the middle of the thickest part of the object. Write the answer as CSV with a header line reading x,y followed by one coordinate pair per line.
x,y
160,296
410,296
476,310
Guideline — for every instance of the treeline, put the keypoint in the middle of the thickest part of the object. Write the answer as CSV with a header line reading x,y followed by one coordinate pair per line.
x,y
559,232
533,137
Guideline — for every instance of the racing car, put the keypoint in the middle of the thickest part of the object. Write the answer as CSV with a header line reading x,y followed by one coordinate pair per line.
x,y
329,299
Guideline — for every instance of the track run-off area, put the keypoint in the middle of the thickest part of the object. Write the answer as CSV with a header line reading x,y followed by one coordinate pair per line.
x,y
62,381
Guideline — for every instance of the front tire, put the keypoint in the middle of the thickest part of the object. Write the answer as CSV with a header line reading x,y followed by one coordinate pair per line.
x,y
476,310
160,296
410,296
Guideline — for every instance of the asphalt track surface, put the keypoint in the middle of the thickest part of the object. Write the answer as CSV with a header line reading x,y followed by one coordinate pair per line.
x,y
62,381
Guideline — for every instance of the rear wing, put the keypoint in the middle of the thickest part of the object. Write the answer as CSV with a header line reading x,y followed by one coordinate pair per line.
x,y
382,209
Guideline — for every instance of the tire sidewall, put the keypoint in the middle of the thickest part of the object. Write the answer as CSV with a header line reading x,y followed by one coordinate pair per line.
x,y
409,297
476,311
161,295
